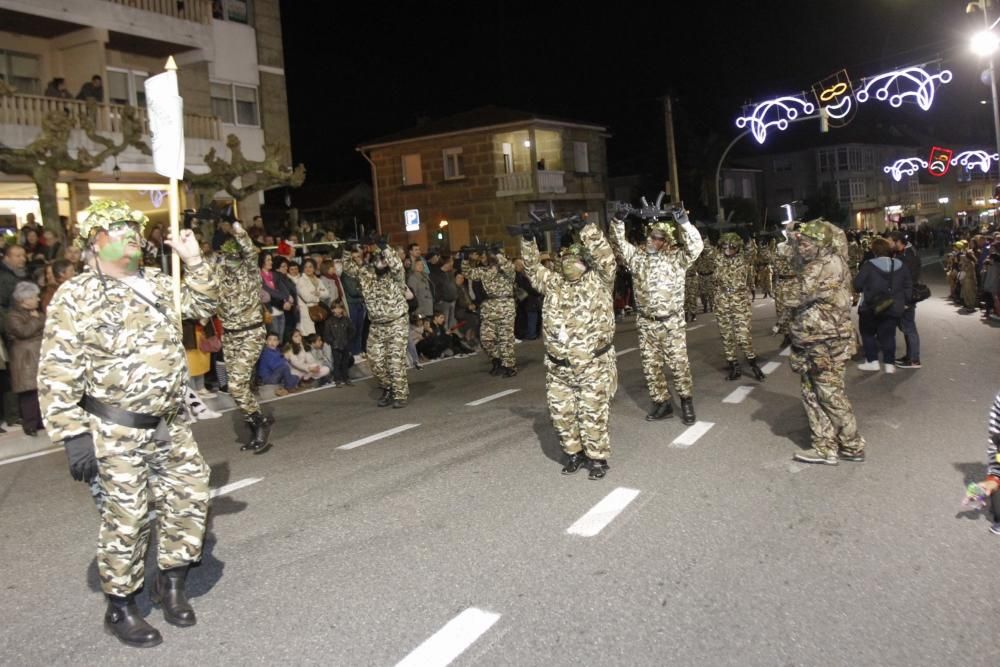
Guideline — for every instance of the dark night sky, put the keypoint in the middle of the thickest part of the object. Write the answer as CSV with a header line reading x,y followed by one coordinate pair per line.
x,y
357,71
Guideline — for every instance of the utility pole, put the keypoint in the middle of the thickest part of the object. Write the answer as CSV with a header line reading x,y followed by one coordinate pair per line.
x,y
668,120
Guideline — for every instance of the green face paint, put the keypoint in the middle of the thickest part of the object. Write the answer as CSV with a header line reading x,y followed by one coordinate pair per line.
x,y
117,248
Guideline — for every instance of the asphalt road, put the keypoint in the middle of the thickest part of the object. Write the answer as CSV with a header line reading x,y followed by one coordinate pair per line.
x,y
456,536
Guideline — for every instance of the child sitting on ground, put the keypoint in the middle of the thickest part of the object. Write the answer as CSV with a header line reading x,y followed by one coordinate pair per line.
x,y
273,368
302,362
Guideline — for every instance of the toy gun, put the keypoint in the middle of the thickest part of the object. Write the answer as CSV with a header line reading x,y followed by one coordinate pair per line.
x,y
547,222
481,248
652,212
976,497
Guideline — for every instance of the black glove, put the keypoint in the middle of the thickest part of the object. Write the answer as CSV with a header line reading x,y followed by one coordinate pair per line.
x,y
679,215
577,222
623,212
82,459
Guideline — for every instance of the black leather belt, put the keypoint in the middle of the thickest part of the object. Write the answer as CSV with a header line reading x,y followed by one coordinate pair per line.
x,y
390,321
565,362
123,417
788,277
226,329
705,274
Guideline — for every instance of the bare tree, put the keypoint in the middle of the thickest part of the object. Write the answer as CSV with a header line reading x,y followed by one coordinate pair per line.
x,y
253,175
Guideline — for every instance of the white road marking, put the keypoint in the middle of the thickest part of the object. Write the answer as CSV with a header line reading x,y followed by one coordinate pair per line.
x,y
229,488
786,352
378,436
625,351
31,456
692,434
760,305
603,513
770,367
492,397
450,641
738,395
697,326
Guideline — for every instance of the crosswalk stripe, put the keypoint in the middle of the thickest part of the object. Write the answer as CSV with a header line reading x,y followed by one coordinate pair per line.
x,y
738,395
493,397
378,436
603,513
229,488
692,434
450,641
770,367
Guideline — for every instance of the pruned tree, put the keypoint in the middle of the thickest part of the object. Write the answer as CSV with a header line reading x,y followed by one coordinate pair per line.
x,y
253,175
49,154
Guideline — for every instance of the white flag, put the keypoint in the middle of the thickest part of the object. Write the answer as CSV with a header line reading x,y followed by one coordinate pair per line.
x,y
166,123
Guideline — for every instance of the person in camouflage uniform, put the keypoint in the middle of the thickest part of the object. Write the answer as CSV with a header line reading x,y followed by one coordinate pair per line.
x,y
732,305
690,294
658,274
750,251
379,271
243,330
578,320
705,266
762,269
497,312
822,342
785,277
112,379
854,256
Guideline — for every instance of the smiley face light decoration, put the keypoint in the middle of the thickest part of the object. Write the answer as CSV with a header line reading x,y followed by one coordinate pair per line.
x,y
835,95
939,161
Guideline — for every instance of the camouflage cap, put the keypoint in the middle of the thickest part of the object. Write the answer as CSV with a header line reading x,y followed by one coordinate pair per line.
x,y
577,250
818,231
730,239
101,215
661,229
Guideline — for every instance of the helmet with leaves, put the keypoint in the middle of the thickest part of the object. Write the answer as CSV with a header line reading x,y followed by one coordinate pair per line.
x,y
817,230
730,239
663,229
231,249
101,215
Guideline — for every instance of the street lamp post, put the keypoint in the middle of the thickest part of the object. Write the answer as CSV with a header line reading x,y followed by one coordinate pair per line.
x,y
985,44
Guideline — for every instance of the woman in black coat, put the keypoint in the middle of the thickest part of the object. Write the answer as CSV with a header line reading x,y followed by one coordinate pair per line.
x,y
886,288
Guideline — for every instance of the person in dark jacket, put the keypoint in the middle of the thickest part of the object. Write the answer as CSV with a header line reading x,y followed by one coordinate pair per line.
x,y
905,251
529,305
886,288
445,290
356,310
25,323
338,333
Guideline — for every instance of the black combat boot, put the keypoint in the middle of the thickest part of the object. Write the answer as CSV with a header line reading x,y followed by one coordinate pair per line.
x,y
755,369
735,371
123,621
399,403
660,411
687,411
386,399
573,463
786,341
168,592
598,469
508,372
497,368
260,427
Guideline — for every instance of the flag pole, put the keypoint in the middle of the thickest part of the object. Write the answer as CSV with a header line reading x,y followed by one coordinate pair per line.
x,y
175,226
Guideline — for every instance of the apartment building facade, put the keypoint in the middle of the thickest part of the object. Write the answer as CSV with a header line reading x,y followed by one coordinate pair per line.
x,y
231,76
455,179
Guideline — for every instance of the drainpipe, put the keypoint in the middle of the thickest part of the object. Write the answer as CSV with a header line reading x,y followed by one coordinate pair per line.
x,y
378,216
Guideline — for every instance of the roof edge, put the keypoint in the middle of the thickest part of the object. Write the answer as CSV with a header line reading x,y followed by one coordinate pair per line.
x,y
438,135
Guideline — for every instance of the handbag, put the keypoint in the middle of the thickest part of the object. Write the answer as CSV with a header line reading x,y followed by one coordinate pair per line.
x,y
209,344
318,313
920,292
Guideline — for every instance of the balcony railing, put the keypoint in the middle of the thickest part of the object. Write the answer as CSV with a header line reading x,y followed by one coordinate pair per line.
x,y
199,11
30,110
520,183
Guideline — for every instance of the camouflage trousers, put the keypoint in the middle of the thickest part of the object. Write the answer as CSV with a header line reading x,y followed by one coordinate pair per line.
x,y
387,356
663,347
241,350
764,282
732,313
168,477
831,418
691,294
496,330
706,290
781,311
579,400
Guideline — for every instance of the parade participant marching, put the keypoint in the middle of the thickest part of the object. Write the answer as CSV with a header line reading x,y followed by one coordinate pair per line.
x,y
732,305
383,285
762,268
498,311
658,273
785,284
690,294
112,379
705,266
243,330
822,343
578,321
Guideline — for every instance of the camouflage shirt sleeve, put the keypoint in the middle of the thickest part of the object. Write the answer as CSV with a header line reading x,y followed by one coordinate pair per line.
x,y
60,378
621,246
199,291
250,251
693,244
541,278
600,249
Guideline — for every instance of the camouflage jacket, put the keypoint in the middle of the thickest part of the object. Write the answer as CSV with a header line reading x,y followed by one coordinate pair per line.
x,y
784,264
578,318
732,274
706,260
822,301
854,255
240,285
498,281
103,340
658,278
385,296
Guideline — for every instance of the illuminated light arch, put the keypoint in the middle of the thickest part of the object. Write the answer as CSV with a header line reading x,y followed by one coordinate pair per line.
x,y
923,93
906,165
774,113
973,159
